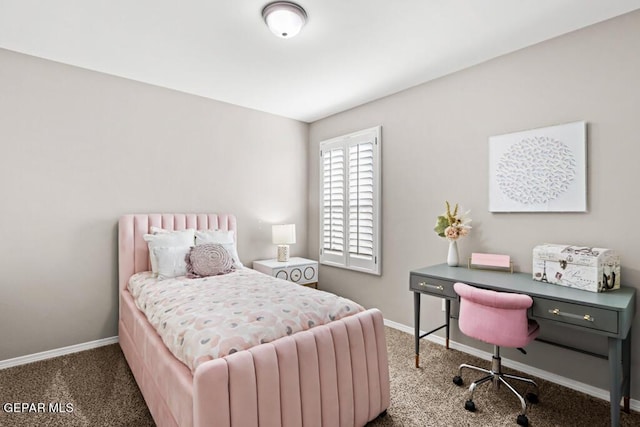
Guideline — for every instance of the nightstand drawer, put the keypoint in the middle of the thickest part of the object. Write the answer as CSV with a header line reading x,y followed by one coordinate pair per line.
x,y
430,286
298,270
576,314
302,274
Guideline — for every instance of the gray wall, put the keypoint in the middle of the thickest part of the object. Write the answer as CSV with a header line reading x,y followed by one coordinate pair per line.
x,y
79,149
435,148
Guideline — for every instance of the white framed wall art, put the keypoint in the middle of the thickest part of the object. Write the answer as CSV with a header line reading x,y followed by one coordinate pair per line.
x,y
539,170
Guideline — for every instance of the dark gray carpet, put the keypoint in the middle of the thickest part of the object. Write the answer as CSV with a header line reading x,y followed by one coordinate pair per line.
x,y
428,397
97,382
103,392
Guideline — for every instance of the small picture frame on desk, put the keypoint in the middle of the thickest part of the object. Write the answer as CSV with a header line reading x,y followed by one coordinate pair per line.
x,y
490,262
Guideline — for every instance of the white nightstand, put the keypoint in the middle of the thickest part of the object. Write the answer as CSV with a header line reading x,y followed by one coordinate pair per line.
x,y
299,270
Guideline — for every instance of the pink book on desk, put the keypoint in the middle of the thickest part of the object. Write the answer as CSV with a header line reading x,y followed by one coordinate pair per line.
x,y
490,260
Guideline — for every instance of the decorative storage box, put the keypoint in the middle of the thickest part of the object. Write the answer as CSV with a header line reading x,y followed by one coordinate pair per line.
x,y
590,269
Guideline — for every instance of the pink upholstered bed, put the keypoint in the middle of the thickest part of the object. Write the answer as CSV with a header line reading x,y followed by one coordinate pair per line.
x,y
330,375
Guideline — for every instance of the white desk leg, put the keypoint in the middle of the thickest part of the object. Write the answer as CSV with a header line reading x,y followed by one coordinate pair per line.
x,y
615,379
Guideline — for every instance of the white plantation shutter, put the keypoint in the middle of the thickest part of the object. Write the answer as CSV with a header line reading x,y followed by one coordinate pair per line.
x,y
361,199
333,201
349,201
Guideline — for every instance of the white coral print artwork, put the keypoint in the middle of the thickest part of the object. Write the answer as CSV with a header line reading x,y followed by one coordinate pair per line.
x,y
540,170
536,170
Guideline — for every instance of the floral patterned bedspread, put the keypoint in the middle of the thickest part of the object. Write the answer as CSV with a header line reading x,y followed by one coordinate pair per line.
x,y
211,317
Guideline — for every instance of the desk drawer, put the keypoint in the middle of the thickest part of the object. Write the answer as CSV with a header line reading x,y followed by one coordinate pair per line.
x,y
427,285
576,314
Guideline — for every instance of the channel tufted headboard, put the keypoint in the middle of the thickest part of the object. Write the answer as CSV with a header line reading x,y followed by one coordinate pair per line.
x,y
133,254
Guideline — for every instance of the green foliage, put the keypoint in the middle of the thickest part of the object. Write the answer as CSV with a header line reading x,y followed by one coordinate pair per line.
x,y
441,225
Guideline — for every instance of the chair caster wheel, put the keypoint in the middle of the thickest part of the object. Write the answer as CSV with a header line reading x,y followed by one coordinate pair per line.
x,y
457,380
532,398
522,420
470,406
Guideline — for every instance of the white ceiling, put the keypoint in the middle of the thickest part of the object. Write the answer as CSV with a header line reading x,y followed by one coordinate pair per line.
x,y
350,52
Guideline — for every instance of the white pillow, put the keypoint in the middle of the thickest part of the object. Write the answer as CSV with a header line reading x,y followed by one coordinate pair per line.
x,y
158,230
164,238
223,238
171,261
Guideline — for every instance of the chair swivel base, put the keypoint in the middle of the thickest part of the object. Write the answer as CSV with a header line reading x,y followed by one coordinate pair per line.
x,y
496,376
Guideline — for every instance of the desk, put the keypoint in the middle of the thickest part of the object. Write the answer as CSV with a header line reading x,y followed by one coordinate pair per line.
x,y
606,314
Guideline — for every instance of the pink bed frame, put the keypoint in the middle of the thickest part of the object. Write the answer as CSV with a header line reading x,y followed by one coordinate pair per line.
x,y
331,375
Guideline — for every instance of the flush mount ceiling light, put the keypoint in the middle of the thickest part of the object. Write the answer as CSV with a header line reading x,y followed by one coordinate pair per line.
x,y
284,19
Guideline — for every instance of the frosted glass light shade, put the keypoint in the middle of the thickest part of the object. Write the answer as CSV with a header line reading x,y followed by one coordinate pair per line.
x,y
284,234
284,19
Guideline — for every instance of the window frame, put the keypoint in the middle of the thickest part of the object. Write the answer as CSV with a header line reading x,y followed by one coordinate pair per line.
x,y
345,259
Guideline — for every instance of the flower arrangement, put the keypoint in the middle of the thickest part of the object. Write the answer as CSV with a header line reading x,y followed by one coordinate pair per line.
x,y
452,226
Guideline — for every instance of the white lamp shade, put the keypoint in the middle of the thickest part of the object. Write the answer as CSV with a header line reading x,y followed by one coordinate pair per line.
x,y
284,234
284,19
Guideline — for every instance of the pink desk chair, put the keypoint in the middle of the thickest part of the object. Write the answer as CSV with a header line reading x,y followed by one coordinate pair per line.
x,y
500,319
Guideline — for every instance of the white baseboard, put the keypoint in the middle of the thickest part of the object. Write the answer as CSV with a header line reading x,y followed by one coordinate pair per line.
x,y
545,375
49,354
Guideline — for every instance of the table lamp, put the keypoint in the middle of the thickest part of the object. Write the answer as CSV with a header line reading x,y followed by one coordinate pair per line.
x,y
283,235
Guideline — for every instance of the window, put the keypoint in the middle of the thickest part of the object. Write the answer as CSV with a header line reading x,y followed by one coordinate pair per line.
x,y
350,201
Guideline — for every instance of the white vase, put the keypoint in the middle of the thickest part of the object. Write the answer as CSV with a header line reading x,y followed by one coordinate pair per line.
x,y
452,256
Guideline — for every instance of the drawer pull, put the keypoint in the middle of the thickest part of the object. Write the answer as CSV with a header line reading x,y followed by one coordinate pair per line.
x,y
586,317
428,285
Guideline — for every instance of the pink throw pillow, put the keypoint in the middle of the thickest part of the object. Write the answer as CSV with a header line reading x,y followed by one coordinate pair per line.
x,y
210,259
